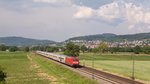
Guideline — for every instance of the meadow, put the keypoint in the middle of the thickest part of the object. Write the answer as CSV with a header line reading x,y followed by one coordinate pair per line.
x,y
33,69
19,69
28,68
119,63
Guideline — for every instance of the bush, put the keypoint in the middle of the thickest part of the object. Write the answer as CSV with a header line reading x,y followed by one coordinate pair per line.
x,y
2,75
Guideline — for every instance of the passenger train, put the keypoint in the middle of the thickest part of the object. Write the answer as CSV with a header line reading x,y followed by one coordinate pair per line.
x,y
69,60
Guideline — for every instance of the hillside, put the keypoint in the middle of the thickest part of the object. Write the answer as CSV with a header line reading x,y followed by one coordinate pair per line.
x,y
112,37
20,41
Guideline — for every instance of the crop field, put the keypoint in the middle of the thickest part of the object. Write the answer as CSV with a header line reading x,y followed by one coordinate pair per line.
x,y
30,69
120,64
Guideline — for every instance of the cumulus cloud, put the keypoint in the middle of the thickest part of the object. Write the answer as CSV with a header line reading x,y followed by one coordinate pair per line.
x,y
84,12
109,12
136,15
129,12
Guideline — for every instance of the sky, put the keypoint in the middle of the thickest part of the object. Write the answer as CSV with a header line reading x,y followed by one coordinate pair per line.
x,y
59,20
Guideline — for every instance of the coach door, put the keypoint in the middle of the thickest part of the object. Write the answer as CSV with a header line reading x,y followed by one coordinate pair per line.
x,y
61,59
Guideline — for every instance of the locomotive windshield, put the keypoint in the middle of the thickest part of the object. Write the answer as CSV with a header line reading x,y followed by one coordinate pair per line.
x,y
75,59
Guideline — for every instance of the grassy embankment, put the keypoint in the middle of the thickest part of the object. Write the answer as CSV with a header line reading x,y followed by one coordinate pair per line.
x,y
63,75
21,69
119,63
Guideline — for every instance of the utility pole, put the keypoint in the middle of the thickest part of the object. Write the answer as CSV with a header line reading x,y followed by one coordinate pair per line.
x,y
93,66
84,62
133,67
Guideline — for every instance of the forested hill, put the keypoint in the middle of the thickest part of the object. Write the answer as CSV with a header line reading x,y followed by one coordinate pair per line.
x,y
20,41
113,37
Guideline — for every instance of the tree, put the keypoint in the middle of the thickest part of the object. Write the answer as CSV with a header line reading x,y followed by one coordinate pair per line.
x,y
3,48
137,49
26,49
146,49
83,48
52,49
95,50
2,75
13,48
102,47
72,50
113,49
38,48
89,49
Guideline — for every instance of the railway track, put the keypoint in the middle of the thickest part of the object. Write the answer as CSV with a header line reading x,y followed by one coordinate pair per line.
x,y
100,76
110,78
101,79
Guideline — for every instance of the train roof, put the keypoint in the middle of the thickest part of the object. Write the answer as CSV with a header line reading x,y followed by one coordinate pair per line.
x,y
53,54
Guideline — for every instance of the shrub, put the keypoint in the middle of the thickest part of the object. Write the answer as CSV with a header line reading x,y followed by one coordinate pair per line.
x,y
2,75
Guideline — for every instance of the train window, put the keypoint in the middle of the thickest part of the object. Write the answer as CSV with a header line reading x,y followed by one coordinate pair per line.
x,y
75,59
61,59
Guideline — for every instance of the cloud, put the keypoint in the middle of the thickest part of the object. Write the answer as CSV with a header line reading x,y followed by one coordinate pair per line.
x,y
50,19
84,12
136,15
117,11
92,3
109,12
54,1
46,1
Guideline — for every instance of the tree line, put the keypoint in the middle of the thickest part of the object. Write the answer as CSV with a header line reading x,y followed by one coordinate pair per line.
x,y
137,49
73,50
29,48
103,48
13,48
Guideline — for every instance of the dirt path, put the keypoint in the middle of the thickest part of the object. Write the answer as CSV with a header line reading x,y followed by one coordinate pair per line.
x,y
40,73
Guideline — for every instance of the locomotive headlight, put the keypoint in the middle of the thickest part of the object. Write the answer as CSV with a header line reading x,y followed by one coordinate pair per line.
x,y
75,62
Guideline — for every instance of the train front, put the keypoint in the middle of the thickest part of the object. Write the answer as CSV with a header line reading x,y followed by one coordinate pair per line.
x,y
72,61
75,62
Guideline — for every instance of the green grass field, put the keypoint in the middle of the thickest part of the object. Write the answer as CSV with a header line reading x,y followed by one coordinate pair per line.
x,y
19,69
31,69
114,57
119,63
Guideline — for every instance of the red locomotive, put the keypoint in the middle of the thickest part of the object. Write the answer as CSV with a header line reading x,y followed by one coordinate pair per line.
x,y
73,61
69,60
